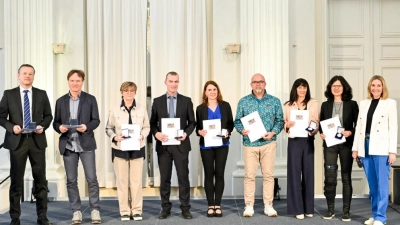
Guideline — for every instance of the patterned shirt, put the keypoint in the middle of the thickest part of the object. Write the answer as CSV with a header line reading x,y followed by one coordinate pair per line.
x,y
271,113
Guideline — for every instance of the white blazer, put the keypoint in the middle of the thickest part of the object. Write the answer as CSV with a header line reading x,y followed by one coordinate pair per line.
x,y
383,133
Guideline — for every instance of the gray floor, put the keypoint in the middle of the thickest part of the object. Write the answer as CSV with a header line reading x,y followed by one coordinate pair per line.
x,y
59,213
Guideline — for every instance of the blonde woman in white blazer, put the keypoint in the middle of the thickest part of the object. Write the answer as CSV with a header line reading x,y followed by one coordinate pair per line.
x,y
375,142
128,165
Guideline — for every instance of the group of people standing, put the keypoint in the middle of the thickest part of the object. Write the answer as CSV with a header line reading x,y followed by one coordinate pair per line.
x,y
76,117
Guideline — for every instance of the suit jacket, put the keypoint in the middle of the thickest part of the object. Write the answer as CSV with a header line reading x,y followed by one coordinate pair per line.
x,y
383,133
226,119
11,107
350,113
184,111
88,114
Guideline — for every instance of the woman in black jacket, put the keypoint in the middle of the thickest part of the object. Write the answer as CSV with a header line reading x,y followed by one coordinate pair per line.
x,y
339,94
214,158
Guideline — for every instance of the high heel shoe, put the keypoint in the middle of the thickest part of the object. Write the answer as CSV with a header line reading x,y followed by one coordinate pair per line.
x,y
210,212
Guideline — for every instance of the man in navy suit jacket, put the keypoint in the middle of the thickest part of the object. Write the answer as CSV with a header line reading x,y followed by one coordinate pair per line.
x,y
183,109
79,109
14,116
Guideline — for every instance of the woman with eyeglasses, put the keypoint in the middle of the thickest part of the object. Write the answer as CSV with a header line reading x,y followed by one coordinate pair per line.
x,y
375,142
300,154
339,104
128,163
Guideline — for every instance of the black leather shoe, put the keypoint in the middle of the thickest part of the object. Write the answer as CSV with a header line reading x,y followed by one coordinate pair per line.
x,y
187,215
15,222
164,214
42,220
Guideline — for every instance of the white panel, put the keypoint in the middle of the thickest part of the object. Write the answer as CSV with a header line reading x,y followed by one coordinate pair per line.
x,y
346,18
390,51
346,52
389,18
354,76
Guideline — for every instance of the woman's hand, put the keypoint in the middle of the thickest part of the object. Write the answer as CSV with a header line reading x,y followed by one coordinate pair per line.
x,y
346,133
354,155
322,136
392,158
203,133
290,124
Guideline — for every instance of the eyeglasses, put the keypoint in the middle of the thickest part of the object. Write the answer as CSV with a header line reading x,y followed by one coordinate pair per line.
x,y
337,86
258,82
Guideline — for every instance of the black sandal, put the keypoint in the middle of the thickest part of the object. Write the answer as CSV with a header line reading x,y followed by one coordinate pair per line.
x,y
210,212
217,212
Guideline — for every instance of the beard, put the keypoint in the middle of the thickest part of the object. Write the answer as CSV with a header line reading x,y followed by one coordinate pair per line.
x,y
259,90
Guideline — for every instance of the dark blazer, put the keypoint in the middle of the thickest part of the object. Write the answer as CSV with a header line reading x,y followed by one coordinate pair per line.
x,y
226,119
11,108
350,114
88,114
184,111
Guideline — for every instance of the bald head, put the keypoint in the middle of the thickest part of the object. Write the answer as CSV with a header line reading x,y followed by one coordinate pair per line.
x,y
258,83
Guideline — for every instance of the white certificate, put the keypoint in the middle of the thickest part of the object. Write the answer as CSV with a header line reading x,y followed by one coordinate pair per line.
x,y
213,128
170,127
330,128
254,124
300,117
131,132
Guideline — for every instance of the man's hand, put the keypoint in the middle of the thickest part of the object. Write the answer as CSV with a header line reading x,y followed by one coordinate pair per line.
x,y
268,136
183,137
245,132
161,137
62,129
82,129
40,129
17,129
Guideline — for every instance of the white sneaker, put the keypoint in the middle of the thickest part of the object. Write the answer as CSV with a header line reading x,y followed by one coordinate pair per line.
x,y
269,210
248,211
300,217
369,221
377,222
77,217
95,216
309,215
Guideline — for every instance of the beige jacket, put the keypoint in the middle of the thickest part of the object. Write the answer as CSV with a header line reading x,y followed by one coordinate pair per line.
x,y
312,107
118,115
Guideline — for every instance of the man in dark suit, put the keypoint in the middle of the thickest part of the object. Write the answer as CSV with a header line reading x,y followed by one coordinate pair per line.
x,y
173,105
19,107
76,117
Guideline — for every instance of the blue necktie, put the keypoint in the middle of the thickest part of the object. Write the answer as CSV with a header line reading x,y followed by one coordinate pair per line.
x,y
27,110
171,107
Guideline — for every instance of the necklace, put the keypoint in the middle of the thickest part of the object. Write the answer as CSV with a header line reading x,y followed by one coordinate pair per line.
x,y
337,111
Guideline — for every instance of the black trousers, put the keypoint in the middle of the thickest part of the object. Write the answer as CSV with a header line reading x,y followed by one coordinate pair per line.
x,y
166,156
331,155
214,161
300,176
37,157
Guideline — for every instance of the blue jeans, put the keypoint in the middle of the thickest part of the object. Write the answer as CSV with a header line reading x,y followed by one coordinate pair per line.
x,y
377,170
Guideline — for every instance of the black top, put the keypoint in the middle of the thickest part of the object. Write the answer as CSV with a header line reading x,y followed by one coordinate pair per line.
x,y
128,154
371,110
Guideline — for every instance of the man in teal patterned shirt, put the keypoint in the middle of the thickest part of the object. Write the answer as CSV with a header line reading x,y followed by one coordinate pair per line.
x,y
262,150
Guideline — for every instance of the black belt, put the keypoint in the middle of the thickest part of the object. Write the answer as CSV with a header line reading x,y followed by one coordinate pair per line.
x,y
26,135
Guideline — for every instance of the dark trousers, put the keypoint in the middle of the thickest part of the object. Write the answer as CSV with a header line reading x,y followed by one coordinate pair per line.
x,y
346,164
214,161
88,159
37,157
300,176
166,156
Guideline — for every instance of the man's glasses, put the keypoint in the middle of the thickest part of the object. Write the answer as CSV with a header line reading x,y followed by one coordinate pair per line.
x,y
258,82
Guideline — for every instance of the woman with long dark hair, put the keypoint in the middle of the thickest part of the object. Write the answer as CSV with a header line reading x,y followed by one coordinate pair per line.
x,y
214,158
339,94
300,154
